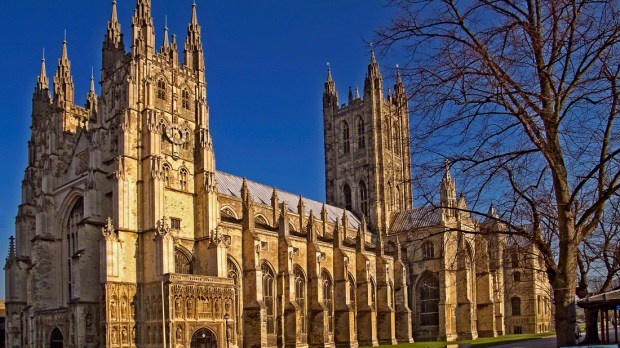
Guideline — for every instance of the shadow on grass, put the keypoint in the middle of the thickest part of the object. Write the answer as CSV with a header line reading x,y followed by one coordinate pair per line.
x,y
479,343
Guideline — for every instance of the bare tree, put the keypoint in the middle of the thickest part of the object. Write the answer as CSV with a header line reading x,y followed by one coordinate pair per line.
x,y
522,97
599,263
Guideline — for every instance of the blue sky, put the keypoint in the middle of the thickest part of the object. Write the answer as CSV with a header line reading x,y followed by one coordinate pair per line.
x,y
265,61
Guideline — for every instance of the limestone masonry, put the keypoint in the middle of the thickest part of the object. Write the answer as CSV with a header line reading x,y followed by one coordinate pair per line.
x,y
128,236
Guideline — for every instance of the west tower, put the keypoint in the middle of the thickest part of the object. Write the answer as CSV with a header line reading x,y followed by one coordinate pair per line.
x,y
367,156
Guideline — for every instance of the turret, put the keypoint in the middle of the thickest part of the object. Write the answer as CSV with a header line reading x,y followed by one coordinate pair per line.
x,y
143,30
194,55
113,46
448,192
64,89
330,96
373,82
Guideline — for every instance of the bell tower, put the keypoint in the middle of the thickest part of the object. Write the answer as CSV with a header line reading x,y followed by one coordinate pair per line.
x,y
367,156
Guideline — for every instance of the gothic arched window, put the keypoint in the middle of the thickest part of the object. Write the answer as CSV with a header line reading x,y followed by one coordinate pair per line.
x,y
514,259
361,133
428,300
346,146
515,305
396,139
161,89
166,170
183,179
73,226
363,198
185,99
428,250
328,299
351,284
269,297
234,273
300,296
182,262
373,292
348,201
516,277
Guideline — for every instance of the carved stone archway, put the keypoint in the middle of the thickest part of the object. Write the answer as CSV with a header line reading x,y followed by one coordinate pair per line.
x,y
56,339
204,338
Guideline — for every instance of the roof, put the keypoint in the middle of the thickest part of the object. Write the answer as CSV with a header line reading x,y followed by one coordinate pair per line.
x,y
409,220
230,185
608,300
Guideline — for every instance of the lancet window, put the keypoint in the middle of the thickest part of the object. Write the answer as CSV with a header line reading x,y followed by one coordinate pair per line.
x,y
183,179
348,201
346,146
428,300
361,133
75,217
328,299
300,297
185,99
269,297
363,198
161,89
515,304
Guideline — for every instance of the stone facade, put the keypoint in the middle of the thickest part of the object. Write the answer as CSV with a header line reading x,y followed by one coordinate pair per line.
x,y
128,236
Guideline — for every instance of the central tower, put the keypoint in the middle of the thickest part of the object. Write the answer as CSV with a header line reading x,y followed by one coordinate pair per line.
x,y
367,156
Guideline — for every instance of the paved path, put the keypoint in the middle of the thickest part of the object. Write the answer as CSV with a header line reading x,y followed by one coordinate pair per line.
x,y
547,342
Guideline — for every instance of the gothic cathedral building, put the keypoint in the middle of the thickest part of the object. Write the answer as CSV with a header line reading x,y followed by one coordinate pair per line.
x,y
128,236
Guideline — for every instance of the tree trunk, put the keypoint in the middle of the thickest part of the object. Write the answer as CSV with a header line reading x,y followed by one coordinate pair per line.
x,y
591,326
564,290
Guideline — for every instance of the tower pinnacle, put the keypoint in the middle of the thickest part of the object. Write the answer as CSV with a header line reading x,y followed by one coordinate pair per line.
x,y
113,35
43,81
63,81
194,57
330,85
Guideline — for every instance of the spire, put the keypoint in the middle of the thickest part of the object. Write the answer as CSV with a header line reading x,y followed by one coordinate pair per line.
x,y
65,56
91,98
194,57
330,85
357,92
166,43
43,81
399,87
92,80
194,15
373,82
114,36
143,31
448,191
63,81
373,66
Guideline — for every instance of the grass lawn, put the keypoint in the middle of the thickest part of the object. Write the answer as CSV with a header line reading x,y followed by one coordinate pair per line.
x,y
479,343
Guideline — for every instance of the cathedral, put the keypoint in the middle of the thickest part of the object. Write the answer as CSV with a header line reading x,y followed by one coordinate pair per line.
x,y
128,236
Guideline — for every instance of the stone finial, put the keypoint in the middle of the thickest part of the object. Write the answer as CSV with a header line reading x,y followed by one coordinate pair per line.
x,y
163,227
108,231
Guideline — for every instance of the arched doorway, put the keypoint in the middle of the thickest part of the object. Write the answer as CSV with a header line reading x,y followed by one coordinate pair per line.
x,y
56,340
204,338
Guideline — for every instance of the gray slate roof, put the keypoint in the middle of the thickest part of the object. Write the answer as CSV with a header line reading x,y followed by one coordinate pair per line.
x,y
409,220
230,185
